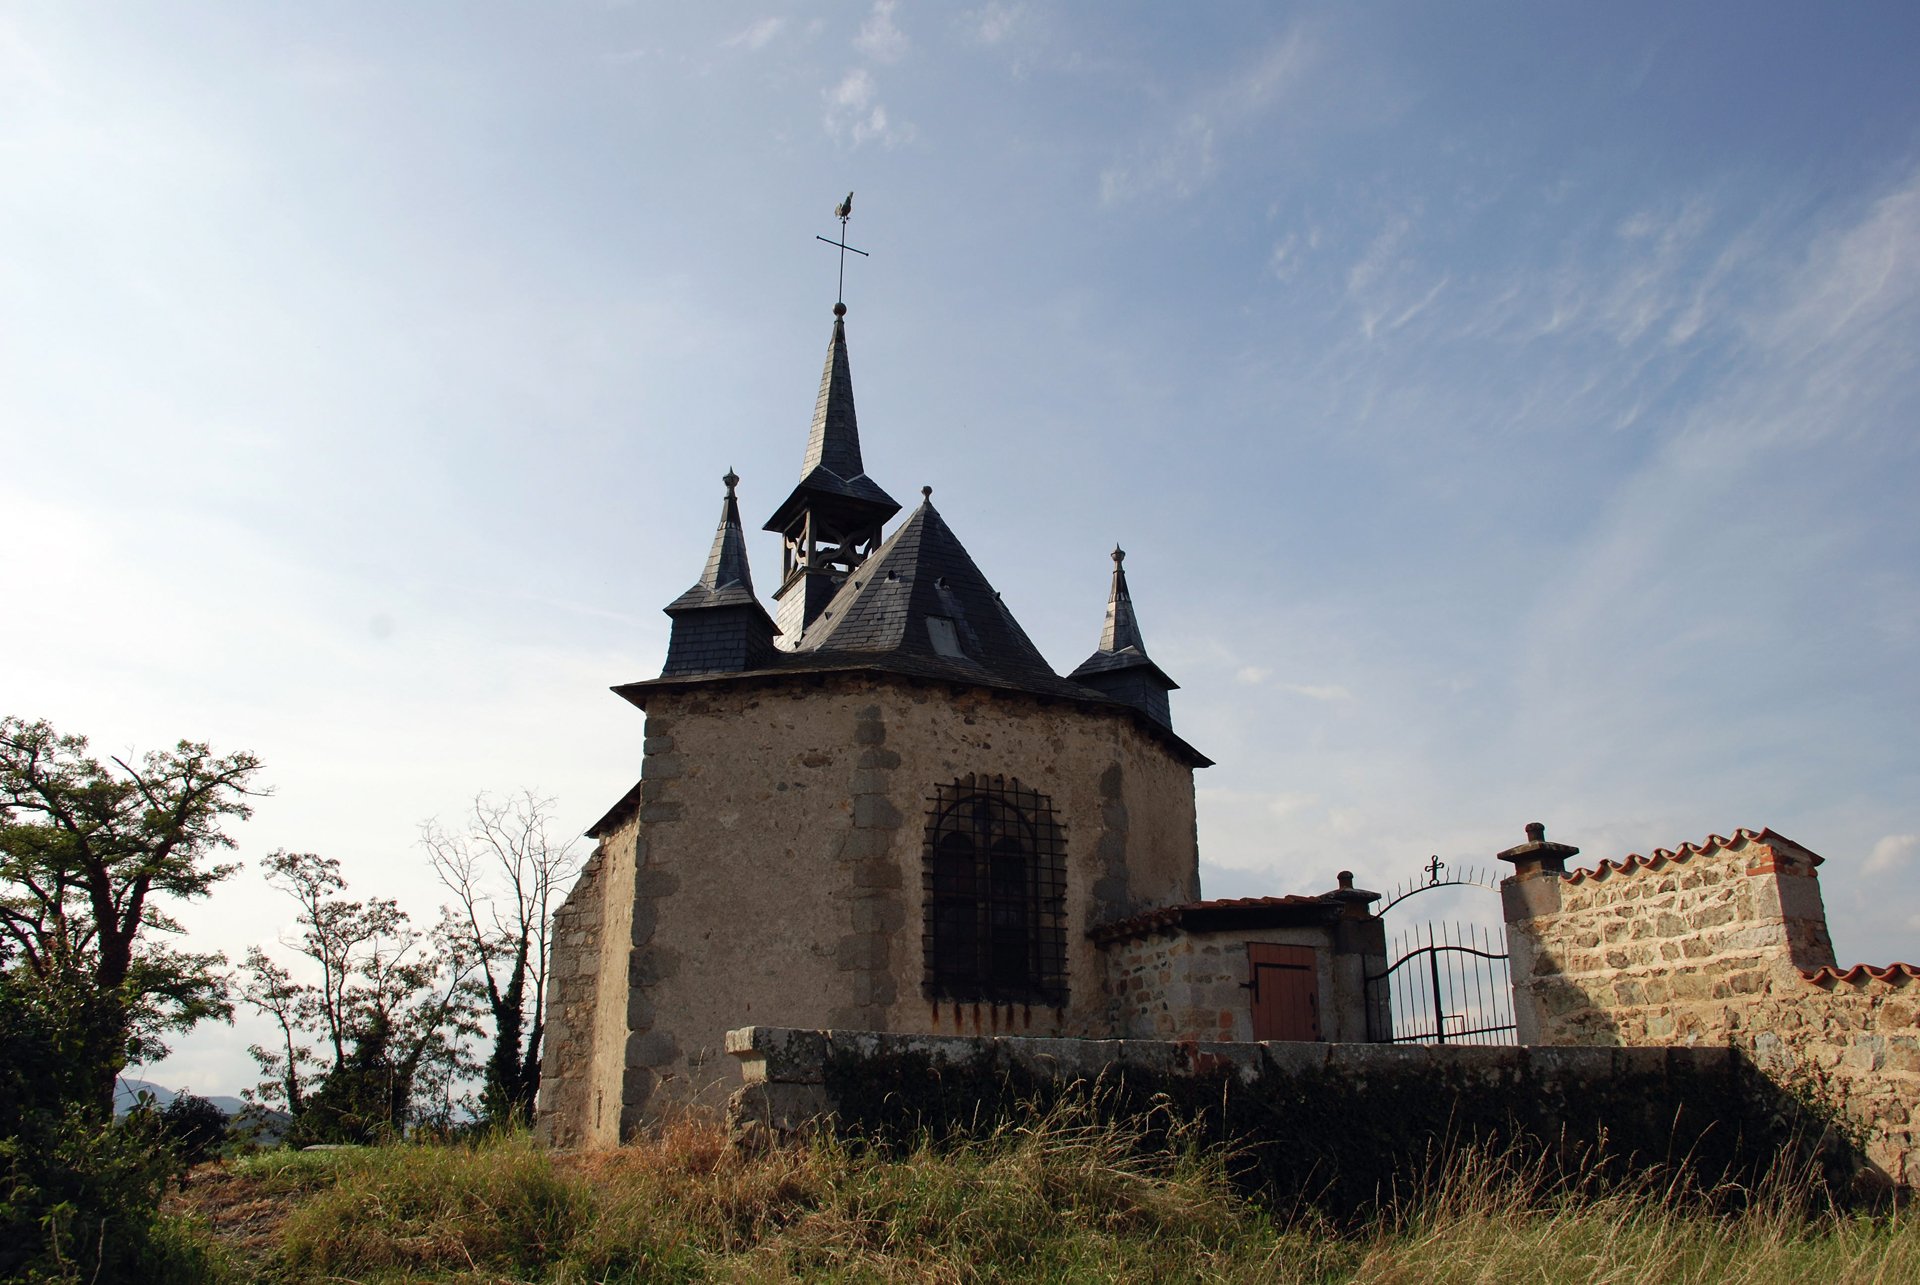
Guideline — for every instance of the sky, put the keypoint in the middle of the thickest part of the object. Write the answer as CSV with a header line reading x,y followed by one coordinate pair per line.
x,y
1509,410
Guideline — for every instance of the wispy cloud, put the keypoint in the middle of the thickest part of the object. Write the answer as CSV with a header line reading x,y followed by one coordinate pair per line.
x,y
1891,853
880,37
1290,252
756,35
1182,154
854,111
1319,691
995,22
1257,676
1722,522
1389,285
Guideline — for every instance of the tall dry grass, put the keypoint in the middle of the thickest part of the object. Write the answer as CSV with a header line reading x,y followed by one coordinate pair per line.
x,y
1063,1197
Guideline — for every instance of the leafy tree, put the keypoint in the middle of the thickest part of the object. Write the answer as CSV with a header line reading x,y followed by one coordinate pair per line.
x,y
88,852
79,1194
391,1005
505,871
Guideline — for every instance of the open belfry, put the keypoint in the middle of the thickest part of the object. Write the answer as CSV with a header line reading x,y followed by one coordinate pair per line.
x,y
879,808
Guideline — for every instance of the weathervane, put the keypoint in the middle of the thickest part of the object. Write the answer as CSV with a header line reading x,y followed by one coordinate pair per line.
x,y
843,212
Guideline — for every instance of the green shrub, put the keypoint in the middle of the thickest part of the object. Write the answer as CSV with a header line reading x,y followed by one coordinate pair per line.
x,y
195,1128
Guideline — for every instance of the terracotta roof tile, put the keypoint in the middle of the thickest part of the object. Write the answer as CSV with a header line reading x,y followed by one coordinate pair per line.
x,y
1168,918
1714,842
1861,973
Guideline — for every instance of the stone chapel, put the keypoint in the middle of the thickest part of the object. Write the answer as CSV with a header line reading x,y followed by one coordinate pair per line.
x,y
877,807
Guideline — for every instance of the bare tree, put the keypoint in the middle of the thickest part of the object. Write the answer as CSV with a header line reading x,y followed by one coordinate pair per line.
x,y
506,871
272,990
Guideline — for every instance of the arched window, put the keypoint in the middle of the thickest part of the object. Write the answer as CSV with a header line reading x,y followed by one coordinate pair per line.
x,y
995,885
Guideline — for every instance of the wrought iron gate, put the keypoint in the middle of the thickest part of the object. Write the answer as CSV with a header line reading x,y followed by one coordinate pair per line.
x,y
1448,985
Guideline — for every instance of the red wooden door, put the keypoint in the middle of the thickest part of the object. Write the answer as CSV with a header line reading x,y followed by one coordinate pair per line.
x,y
1286,992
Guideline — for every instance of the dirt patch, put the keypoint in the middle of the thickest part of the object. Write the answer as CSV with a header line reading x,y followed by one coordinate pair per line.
x,y
243,1217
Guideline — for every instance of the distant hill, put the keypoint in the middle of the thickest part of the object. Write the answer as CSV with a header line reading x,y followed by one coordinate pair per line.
x,y
126,1090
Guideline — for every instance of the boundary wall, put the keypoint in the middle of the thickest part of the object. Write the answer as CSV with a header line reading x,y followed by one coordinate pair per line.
x,y
1337,1126
1721,944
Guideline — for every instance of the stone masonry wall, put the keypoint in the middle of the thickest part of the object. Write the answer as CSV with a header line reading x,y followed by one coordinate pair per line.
x,y
1338,1127
572,984
604,1106
772,871
1193,985
1723,943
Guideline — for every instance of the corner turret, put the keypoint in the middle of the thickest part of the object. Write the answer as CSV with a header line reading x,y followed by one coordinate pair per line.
x,y
719,625
1121,669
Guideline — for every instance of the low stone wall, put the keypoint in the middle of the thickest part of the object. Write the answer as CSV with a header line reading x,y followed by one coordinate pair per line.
x,y
1724,944
1855,1036
1660,949
1340,1126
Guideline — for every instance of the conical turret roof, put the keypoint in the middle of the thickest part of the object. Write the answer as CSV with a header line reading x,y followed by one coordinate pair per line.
x,y
1121,646
1121,668
727,580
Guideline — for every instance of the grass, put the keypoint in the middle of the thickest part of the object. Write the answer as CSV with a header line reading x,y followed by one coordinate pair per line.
x,y
1061,1198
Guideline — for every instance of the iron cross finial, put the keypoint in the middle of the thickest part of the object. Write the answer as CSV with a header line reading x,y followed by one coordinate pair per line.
x,y
843,212
1433,869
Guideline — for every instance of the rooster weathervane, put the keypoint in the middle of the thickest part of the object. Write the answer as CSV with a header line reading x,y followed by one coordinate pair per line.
x,y
843,212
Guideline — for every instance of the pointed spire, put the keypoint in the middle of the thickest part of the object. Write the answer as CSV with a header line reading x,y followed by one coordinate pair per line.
x,y
1121,668
834,442
1122,630
727,563
832,474
718,624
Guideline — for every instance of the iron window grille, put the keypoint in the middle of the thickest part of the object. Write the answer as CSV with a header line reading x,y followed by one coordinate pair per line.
x,y
994,878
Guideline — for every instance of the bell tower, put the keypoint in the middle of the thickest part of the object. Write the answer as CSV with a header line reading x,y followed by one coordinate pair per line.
x,y
832,520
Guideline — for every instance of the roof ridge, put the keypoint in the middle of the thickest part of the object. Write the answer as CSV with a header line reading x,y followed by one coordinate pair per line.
x,y
1861,973
1634,861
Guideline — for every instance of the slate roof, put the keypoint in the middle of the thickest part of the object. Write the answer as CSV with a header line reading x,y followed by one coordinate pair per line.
x,y
727,580
1121,646
893,607
832,470
617,815
921,608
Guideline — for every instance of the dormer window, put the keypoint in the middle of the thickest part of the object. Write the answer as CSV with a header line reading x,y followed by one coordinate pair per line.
x,y
945,639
